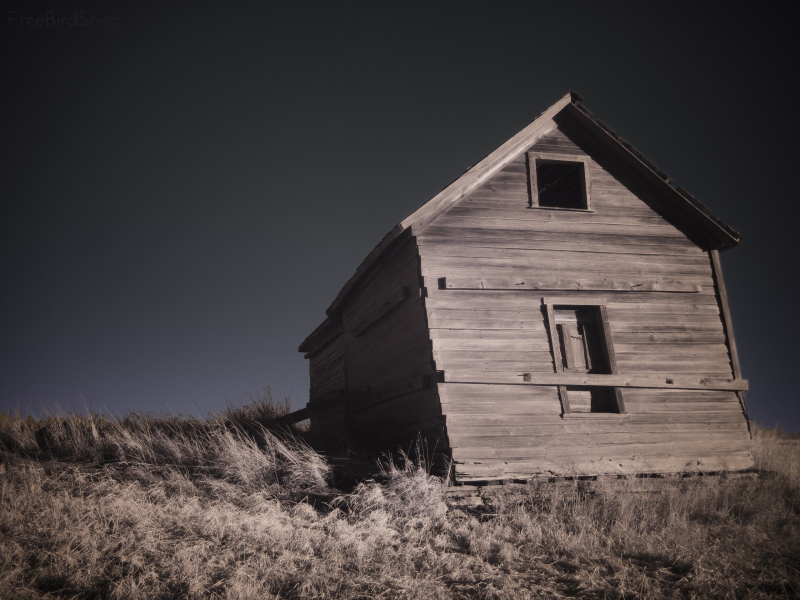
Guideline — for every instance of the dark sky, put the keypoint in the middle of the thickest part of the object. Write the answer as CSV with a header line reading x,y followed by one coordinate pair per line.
x,y
186,188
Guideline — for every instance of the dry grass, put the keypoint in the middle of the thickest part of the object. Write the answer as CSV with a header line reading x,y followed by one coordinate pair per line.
x,y
170,507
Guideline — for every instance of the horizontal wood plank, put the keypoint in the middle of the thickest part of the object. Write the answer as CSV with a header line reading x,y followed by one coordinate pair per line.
x,y
680,445
624,381
537,282
669,463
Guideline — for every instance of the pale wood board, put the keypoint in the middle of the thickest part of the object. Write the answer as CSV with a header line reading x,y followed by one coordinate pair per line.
x,y
579,379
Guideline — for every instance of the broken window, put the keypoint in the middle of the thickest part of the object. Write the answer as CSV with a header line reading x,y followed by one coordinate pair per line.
x,y
581,343
579,338
558,182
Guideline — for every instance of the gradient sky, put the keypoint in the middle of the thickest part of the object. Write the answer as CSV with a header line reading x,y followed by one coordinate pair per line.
x,y
185,192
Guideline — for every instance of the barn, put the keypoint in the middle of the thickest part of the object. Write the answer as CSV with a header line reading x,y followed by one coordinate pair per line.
x,y
558,310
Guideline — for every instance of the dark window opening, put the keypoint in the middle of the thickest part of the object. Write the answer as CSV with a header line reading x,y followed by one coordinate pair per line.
x,y
580,339
591,399
560,184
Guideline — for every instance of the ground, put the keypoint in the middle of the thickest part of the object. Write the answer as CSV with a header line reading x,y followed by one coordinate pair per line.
x,y
172,507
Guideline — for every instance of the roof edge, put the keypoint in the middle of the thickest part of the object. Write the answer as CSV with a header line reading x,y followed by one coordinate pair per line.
x,y
709,223
471,178
476,175
488,166
387,240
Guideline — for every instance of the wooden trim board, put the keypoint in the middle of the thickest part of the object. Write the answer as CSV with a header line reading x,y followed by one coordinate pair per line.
x,y
581,379
716,266
644,284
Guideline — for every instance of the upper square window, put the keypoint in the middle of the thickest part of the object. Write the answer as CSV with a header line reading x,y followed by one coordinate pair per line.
x,y
558,181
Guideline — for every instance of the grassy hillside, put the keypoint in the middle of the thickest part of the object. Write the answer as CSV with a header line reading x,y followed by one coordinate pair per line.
x,y
173,507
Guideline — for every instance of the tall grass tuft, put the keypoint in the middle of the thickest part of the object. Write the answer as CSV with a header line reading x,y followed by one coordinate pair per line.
x,y
241,445
406,490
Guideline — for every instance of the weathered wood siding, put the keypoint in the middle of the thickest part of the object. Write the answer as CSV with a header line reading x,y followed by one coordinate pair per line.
x,y
326,370
486,336
384,364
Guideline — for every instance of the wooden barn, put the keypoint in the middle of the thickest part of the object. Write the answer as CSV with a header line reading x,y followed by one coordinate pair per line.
x,y
558,310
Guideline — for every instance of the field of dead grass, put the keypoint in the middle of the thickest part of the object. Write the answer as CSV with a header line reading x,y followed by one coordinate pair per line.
x,y
171,507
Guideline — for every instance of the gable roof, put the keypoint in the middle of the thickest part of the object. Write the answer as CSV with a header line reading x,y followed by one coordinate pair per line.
x,y
570,107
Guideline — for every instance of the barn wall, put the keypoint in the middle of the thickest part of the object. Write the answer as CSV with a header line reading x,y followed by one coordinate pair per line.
x,y
385,368
326,370
490,337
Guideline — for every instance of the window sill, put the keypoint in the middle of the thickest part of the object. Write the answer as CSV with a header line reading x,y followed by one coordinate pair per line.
x,y
581,210
593,415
